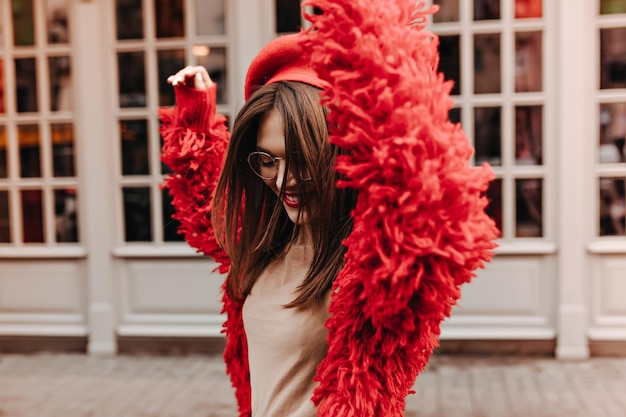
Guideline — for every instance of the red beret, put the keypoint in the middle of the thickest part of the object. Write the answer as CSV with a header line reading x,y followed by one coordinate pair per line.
x,y
283,59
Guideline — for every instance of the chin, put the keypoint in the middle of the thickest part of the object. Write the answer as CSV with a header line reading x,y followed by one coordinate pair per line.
x,y
293,213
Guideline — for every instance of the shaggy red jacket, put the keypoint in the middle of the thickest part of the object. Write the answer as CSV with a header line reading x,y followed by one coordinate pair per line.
x,y
420,229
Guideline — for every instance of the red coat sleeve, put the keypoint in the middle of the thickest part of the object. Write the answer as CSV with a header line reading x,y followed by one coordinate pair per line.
x,y
194,143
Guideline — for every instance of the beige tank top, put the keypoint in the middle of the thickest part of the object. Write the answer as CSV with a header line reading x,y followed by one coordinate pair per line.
x,y
285,345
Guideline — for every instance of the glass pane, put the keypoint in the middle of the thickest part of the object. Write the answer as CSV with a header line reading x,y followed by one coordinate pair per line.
x,y
65,206
215,62
528,135
288,16
612,133
26,84
137,215
529,208
134,137
129,19
448,11
612,206
169,63
170,18
210,17
612,6
528,8
486,9
613,58
487,63
494,209
62,149
487,134
528,61
1,78
23,23
5,221
32,216
58,26
170,225
4,169
28,139
132,79
450,62
60,83
455,115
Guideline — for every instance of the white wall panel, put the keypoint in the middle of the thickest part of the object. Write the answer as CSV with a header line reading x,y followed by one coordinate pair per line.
x,y
608,320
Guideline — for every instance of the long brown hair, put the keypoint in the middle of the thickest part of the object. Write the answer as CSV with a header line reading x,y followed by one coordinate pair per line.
x,y
249,219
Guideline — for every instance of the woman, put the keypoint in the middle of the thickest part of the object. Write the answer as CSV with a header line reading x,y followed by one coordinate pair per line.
x,y
345,228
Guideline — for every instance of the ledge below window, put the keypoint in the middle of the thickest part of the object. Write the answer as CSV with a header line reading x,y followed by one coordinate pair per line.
x,y
601,247
42,252
526,248
147,251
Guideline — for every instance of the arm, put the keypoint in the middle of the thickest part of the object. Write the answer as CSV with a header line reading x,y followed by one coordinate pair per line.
x,y
420,230
194,143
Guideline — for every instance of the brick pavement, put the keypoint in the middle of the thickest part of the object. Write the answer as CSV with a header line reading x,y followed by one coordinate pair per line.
x,y
75,385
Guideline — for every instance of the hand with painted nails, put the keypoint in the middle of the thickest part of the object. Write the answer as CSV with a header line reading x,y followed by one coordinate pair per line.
x,y
193,77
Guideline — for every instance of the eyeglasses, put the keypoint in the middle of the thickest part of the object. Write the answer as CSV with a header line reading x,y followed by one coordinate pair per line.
x,y
265,166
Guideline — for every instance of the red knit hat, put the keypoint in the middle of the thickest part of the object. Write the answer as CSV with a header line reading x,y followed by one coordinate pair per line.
x,y
283,59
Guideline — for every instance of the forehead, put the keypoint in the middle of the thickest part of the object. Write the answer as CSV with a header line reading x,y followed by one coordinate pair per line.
x,y
271,134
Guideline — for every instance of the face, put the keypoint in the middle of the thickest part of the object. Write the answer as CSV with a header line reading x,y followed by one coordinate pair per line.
x,y
271,139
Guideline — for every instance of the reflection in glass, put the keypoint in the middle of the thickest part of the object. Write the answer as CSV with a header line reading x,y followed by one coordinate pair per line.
x,y
487,135
529,207
170,225
494,208
58,27
170,18
528,135
455,115
1,78
28,139
65,207
62,136
613,58
448,11
612,206
132,80
288,16
137,214
4,170
23,23
60,83
487,63
215,63
32,216
129,19
26,84
169,63
528,8
210,17
612,133
528,61
134,146
5,221
450,62
612,6
486,9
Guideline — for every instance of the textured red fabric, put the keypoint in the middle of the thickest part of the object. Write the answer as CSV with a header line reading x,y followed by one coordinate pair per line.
x,y
420,229
283,59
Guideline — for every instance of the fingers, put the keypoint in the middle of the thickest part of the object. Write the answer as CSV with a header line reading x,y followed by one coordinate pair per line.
x,y
192,77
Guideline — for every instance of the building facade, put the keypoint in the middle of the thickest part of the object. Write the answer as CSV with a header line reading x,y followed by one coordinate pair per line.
x,y
88,251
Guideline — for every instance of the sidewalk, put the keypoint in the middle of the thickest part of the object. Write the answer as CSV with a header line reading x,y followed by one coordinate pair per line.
x,y
74,385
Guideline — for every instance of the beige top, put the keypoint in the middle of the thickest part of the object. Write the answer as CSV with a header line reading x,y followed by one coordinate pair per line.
x,y
285,345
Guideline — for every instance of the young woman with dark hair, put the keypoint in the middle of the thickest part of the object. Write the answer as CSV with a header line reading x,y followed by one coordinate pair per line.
x,y
342,209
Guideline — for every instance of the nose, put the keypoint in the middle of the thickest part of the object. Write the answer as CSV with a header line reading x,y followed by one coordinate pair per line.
x,y
284,178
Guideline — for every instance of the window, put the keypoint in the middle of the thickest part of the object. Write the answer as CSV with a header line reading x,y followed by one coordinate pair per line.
x,y
38,177
611,105
154,39
493,51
